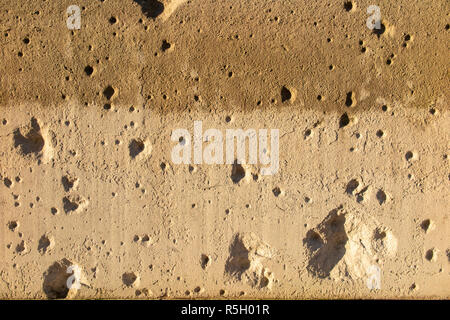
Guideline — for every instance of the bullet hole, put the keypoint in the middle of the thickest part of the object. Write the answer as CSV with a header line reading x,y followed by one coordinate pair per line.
x,y
54,211
196,98
380,31
447,27
319,97
204,261
20,54
350,99
7,182
407,37
165,45
131,109
330,67
26,40
237,172
107,106
55,280
151,8
381,197
344,121
136,147
388,62
409,156
163,166
308,133
433,111
384,108
276,191
348,6
4,122
430,255
352,186
112,20
286,94
12,225
108,92
130,279
45,244
88,70
230,74
426,225
21,246
363,49
228,119
380,133
69,182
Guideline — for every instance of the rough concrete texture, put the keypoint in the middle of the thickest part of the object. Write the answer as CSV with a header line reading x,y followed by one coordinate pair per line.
x,y
358,207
